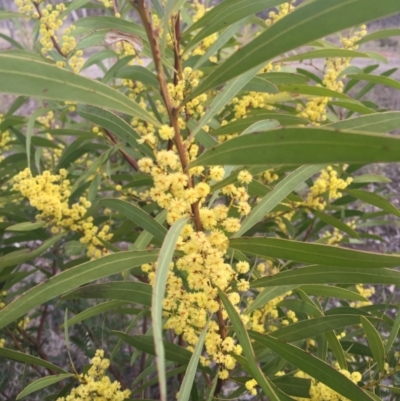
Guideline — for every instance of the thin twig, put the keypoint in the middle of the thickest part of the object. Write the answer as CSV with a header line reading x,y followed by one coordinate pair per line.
x,y
128,158
173,113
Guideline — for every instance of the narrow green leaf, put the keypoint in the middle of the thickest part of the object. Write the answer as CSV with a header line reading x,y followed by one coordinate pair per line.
x,y
116,125
332,291
94,311
284,78
244,340
333,275
160,281
121,63
375,200
312,327
258,84
223,98
293,386
337,223
23,255
376,79
71,279
375,343
74,5
138,73
326,53
42,383
145,343
381,34
296,146
240,125
313,367
268,294
96,164
29,132
12,42
24,74
127,291
145,237
97,58
312,90
4,14
336,349
225,14
137,215
26,226
370,178
190,374
352,105
393,333
273,198
84,25
324,255
312,20
29,359
223,38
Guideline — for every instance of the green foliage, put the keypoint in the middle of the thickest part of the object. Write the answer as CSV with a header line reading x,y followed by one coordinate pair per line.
x,y
194,207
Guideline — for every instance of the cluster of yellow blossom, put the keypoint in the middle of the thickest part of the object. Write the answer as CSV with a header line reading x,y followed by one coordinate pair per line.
x,y
366,293
206,43
327,182
50,155
258,100
315,109
49,194
107,3
26,7
336,236
189,81
202,268
252,100
270,176
50,23
250,386
51,20
283,10
96,385
5,139
319,391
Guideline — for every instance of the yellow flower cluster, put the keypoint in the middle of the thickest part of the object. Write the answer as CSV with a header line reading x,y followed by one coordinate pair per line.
x,y
365,292
26,7
189,81
107,3
203,46
336,236
315,109
258,100
253,100
327,182
283,10
96,385
250,386
319,391
51,21
5,139
270,176
50,155
202,269
49,194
